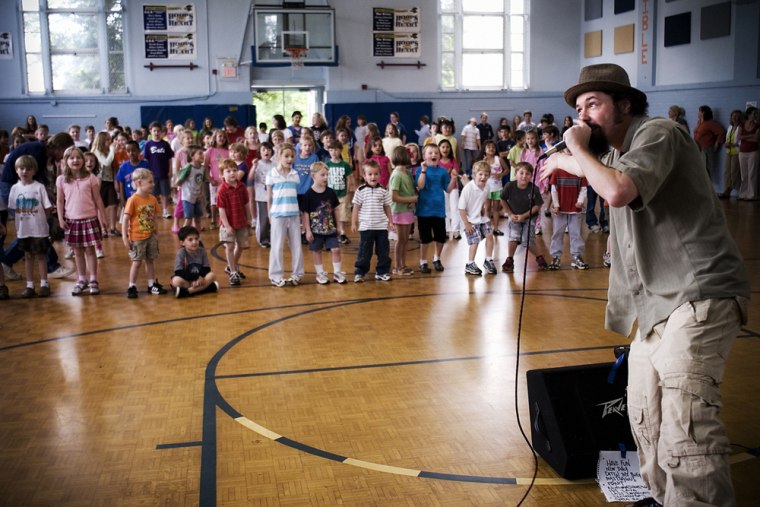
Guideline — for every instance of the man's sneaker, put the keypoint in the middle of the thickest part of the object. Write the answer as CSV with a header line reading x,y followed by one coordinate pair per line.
x,y
339,277
295,280
437,265
542,265
595,229
472,269
578,263
99,253
424,268
554,266
343,240
234,279
44,291
11,275
29,292
78,289
509,265
132,292
322,278
60,272
278,283
385,277
95,288
358,278
4,293
489,267
181,292
606,259
156,289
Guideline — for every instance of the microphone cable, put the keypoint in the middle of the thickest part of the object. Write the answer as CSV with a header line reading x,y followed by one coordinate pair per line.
x,y
531,201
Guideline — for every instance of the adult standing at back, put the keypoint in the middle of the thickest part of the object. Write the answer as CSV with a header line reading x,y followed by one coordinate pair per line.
x,y
749,156
676,271
484,128
709,135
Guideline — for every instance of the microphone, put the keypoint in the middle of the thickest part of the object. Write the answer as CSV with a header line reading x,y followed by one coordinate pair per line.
x,y
554,149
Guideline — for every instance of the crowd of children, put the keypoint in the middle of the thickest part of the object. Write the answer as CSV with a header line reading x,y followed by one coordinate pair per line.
x,y
306,186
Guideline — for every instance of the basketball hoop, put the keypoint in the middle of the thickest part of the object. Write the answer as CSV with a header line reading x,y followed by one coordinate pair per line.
x,y
297,57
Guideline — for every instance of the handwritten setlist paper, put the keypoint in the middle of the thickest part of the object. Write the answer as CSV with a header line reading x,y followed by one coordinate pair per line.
x,y
620,478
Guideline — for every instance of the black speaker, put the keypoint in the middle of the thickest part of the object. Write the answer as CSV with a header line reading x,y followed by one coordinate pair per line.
x,y
575,412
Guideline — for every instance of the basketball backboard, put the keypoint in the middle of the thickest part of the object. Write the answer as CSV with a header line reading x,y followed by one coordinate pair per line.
x,y
276,30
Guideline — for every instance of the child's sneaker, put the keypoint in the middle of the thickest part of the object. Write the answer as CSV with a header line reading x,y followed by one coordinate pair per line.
x,y
538,231
578,263
295,280
322,278
95,288
385,277
339,277
406,271
437,265
606,260
489,267
132,292
234,279
239,273
181,292
596,229
4,293
509,265
424,268
278,283
10,275
554,266
156,289
472,269
29,292
44,291
99,253
358,278
69,253
212,288
78,289
343,240
542,265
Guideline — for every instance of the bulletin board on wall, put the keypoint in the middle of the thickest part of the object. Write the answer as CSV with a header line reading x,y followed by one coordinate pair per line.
x,y
379,113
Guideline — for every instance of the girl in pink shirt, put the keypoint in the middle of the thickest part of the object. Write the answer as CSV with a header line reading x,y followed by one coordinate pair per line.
x,y
531,154
80,215
218,152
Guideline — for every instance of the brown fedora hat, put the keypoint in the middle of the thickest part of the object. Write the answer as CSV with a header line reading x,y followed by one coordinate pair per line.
x,y
603,77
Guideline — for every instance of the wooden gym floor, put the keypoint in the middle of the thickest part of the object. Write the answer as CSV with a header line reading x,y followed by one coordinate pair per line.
x,y
374,394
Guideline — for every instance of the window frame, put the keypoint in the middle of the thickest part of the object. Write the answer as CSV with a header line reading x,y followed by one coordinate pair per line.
x,y
457,13
47,53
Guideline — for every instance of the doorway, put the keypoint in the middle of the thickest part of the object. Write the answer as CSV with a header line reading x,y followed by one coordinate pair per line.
x,y
271,101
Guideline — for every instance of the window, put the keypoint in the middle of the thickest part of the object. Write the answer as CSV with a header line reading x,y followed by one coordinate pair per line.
x,y
74,46
483,44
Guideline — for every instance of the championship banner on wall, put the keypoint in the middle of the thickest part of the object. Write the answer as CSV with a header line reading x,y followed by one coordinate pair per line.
x,y
6,46
399,45
396,32
396,20
161,46
170,32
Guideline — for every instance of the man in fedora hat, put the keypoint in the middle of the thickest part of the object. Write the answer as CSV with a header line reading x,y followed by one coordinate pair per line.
x,y
675,270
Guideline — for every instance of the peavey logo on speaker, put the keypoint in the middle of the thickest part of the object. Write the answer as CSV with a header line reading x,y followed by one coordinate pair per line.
x,y
616,406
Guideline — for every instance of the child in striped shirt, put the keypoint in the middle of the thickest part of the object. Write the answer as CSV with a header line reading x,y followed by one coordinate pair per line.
x,y
284,217
372,218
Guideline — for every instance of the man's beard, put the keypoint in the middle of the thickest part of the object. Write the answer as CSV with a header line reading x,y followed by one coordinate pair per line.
x,y
598,143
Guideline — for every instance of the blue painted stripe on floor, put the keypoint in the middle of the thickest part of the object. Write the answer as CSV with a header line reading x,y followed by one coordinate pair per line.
x,y
178,445
311,450
467,478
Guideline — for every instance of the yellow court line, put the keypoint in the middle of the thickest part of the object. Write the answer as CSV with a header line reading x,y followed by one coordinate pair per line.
x,y
382,468
258,428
